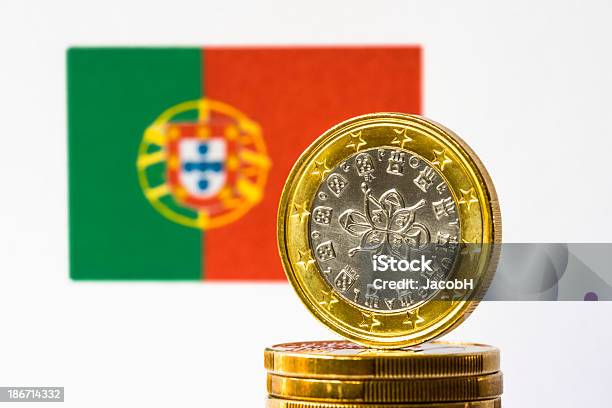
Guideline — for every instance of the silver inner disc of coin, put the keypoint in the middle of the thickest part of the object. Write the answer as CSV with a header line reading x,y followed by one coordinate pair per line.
x,y
385,202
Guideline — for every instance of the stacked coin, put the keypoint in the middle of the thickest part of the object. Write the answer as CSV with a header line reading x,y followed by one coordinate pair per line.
x,y
340,374
376,193
388,230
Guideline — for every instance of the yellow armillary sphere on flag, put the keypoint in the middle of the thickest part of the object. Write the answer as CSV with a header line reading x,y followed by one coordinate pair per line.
x,y
203,164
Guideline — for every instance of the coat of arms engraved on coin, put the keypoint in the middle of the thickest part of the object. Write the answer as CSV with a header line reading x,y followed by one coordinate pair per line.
x,y
386,201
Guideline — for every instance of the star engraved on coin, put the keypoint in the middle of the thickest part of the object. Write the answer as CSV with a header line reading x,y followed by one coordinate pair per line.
x,y
452,295
413,318
440,158
369,321
355,141
329,298
468,197
320,169
384,206
304,259
300,211
402,138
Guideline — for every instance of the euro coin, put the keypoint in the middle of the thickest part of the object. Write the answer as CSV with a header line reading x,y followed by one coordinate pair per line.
x,y
284,403
387,228
346,360
386,391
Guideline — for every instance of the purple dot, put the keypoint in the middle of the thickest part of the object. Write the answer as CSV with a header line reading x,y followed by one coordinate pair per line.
x,y
590,296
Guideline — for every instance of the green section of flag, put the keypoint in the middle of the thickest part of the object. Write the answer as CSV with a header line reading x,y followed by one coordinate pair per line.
x,y
113,95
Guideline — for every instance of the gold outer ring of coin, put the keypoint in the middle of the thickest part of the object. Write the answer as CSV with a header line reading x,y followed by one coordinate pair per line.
x,y
331,360
470,388
478,208
284,403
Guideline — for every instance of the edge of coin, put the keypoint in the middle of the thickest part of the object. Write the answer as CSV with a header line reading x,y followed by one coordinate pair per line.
x,y
323,365
494,212
470,388
285,403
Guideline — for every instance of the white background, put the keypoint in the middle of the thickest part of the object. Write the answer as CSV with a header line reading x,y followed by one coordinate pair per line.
x,y
527,84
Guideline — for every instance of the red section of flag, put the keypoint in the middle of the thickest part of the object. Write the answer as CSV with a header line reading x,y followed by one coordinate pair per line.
x,y
295,94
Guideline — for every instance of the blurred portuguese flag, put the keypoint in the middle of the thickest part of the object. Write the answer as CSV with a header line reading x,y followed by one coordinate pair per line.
x,y
177,156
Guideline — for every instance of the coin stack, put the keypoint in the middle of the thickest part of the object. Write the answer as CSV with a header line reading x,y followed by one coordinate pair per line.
x,y
376,191
340,374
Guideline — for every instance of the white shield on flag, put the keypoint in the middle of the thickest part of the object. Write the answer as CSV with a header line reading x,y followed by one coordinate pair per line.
x,y
202,171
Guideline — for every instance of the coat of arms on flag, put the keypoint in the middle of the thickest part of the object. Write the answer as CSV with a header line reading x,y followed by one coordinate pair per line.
x,y
213,168
178,156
